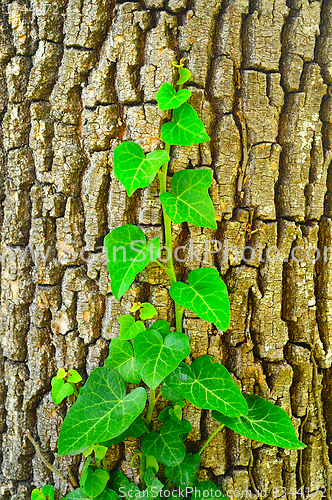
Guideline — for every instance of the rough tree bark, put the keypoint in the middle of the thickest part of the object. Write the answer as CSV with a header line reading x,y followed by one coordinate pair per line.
x,y
77,77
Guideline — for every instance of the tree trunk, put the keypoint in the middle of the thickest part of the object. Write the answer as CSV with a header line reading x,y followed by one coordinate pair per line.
x,y
78,77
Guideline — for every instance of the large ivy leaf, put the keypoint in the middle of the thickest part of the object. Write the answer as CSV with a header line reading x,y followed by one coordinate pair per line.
x,y
136,429
191,201
95,482
208,385
129,328
168,98
167,445
127,255
157,357
123,486
206,295
80,494
207,490
101,412
186,129
153,485
121,358
264,422
184,474
133,169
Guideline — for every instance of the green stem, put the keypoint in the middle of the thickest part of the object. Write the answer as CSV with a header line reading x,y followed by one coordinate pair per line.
x,y
151,406
211,437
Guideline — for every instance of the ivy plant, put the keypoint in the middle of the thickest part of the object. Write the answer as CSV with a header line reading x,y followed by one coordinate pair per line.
x,y
154,356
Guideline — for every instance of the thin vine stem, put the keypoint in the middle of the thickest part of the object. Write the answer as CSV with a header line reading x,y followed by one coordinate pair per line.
x,y
151,406
211,437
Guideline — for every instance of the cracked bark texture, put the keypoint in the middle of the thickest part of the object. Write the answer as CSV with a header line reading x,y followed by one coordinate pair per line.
x,y
76,78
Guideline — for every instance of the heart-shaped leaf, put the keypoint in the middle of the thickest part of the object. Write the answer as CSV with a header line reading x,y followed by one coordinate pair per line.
x,y
206,295
135,170
191,201
61,373
101,412
208,385
121,358
60,390
127,255
99,451
187,128
167,445
184,474
184,76
157,357
153,485
123,486
161,326
170,413
207,490
80,494
48,491
264,422
168,98
148,311
74,377
129,328
95,482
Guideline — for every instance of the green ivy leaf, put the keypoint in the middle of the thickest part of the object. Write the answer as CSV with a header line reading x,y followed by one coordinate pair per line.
x,y
168,98
153,485
121,358
161,326
48,491
74,377
80,494
157,357
172,395
61,373
166,445
100,452
150,461
191,201
101,412
135,170
129,328
60,390
136,429
186,129
95,482
123,486
184,76
184,474
206,295
128,254
207,490
264,422
148,311
170,413
208,385
84,472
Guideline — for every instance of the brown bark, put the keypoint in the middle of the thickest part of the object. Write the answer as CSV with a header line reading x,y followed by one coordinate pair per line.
x,y
78,77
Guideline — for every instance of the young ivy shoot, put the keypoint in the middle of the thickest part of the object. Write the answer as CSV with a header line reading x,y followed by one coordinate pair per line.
x,y
151,355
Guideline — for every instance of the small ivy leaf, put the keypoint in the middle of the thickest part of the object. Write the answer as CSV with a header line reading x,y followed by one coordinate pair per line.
x,y
121,358
84,472
74,377
135,307
264,422
186,429
185,473
95,482
148,311
166,446
48,491
136,429
80,494
161,326
191,201
102,411
184,76
135,170
61,373
168,98
187,128
169,413
88,451
208,385
129,328
154,486
210,488
100,452
157,357
60,390
150,461
206,295
37,495
172,395
127,255
123,486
